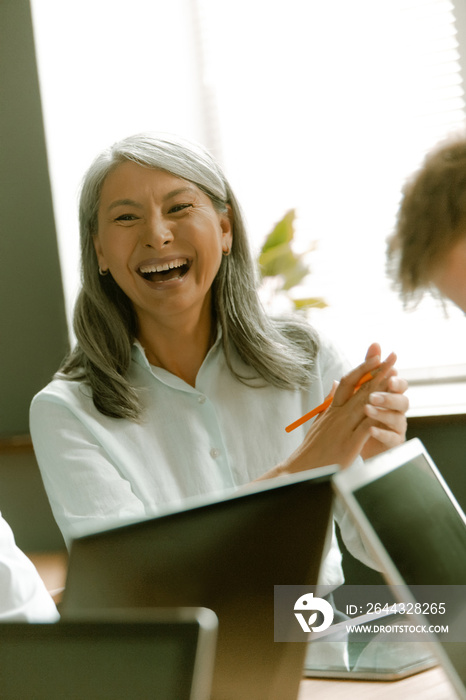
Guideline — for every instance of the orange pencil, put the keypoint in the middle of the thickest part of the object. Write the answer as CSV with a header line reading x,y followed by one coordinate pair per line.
x,y
323,406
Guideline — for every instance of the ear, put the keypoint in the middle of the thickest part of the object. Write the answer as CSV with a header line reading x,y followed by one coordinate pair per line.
x,y
226,225
100,256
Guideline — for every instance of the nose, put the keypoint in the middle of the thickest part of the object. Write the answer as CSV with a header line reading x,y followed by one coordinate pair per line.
x,y
156,233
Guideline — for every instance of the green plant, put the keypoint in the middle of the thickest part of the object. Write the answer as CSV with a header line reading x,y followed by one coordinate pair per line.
x,y
286,269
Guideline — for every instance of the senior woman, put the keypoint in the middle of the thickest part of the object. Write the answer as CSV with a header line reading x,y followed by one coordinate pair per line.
x,y
179,384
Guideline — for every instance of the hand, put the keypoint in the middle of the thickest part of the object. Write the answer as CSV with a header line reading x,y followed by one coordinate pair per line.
x,y
339,434
387,410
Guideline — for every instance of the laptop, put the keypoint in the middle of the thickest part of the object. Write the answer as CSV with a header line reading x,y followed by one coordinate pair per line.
x,y
225,555
416,531
115,655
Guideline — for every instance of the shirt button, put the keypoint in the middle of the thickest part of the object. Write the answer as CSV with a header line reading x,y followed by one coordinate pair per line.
x,y
201,399
214,453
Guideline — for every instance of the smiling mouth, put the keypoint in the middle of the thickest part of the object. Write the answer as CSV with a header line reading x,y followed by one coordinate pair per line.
x,y
163,272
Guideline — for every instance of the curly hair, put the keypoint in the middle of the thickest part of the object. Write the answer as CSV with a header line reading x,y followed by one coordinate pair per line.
x,y
430,219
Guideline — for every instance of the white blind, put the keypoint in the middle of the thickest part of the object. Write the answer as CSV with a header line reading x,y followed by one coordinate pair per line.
x,y
327,107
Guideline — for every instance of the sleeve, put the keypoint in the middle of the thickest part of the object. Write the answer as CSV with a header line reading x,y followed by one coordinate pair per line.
x,y
23,596
85,489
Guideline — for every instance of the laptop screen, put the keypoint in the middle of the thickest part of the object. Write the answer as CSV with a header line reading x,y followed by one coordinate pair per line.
x,y
109,659
404,506
401,502
226,555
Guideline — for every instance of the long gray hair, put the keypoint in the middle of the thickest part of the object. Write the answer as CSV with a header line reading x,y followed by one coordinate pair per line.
x,y
280,352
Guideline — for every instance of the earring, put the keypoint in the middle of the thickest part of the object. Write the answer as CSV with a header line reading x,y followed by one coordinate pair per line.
x,y
103,272
226,252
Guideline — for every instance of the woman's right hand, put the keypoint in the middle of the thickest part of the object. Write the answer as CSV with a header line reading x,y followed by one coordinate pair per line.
x,y
338,435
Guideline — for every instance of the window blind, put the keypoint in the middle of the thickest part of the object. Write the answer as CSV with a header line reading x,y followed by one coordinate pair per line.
x,y
327,108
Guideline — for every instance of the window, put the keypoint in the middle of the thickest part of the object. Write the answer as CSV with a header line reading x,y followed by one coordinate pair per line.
x,y
325,107
108,69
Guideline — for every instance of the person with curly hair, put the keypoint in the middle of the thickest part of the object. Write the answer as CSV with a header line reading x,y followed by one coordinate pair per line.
x,y
427,251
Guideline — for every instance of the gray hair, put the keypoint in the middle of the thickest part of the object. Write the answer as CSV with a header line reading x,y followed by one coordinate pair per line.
x,y
281,352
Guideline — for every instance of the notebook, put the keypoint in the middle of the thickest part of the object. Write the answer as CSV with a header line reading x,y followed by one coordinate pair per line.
x,y
115,655
226,555
417,533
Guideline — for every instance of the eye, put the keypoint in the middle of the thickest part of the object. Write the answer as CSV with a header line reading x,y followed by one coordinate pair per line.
x,y
178,207
126,217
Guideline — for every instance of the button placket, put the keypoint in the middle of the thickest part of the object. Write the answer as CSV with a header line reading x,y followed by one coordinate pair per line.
x,y
216,449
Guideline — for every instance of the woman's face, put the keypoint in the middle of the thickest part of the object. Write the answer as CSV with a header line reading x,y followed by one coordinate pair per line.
x,y
161,239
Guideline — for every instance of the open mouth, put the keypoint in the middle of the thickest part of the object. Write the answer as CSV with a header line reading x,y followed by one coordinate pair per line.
x,y
163,272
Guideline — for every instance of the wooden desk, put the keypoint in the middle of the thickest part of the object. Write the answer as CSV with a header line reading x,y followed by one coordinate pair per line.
x,y
428,685
52,567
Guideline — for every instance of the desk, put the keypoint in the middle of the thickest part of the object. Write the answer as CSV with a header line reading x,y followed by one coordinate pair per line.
x,y
52,567
428,685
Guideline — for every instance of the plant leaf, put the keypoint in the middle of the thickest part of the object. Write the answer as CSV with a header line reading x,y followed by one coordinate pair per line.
x,y
310,302
278,260
294,274
282,232
275,260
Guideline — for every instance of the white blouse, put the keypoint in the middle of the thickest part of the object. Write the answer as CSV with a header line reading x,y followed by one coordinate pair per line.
x,y
191,441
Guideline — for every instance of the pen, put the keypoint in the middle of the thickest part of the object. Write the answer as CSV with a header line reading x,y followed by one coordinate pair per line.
x,y
323,406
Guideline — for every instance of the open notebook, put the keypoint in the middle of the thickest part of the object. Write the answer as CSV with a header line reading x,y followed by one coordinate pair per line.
x,y
416,531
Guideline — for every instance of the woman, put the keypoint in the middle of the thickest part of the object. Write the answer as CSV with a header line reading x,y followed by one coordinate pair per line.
x,y
180,384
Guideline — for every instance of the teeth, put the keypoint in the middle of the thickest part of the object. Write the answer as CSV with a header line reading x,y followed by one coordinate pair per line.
x,y
179,262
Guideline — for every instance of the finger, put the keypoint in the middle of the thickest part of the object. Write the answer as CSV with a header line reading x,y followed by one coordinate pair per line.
x,y
388,382
385,419
374,349
389,400
332,391
329,396
349,382
386,437
381,374
386,368
397,385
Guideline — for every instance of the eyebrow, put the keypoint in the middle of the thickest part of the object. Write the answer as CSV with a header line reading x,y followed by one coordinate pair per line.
x,y
180,190
124,203
133,203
